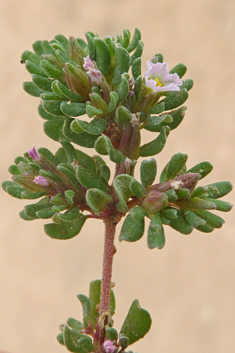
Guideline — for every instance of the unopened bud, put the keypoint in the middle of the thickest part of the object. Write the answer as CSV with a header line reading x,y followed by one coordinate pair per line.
x,y
154,201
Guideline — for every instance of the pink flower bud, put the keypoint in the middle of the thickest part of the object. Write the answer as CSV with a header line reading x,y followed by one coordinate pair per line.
x,y
33,154
88,63
40,181
94,74
109,347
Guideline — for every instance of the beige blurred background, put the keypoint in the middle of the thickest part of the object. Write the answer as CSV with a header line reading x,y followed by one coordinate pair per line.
x,y
188,287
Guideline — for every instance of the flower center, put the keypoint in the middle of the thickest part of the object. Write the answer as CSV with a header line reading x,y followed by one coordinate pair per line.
x,y
158,83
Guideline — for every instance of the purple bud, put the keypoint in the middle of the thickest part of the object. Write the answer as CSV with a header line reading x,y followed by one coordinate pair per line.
x,y
109,347
88,63
154,201
91,71
40,181
33,154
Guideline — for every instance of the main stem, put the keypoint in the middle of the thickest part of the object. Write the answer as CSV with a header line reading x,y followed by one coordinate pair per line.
x,y
104,309
109,251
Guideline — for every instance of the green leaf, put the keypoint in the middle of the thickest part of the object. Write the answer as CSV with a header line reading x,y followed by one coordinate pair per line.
x,y
179,69
136,68
70,215
113,101
14,170
92,111
32,89
86,306
65,230
205,228
135,40
64,41
157,109
126,38
43,83
138,51
60,89
175,99
48,154
69,195
121,187
187,84
45,213
73,108
102,55
154,147
157,120
52,107
148,171
91,45
193,219
122,115
74,324
137,323
69,172
13,188
217,190
199,191
53,129
156,236
104,146
69,151
180,224
34,68
37,47
210,218
132,230
30,210
47,47
177,162
97,200
122,89
137,213
195,203
50,69
84,139
85,161
202,168
94,297
111,334
123,62
89,179
220,205
28,55
157,58
95,127
74,341
170,213
60,338
136,188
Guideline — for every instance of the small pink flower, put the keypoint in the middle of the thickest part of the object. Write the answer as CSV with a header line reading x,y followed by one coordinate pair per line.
x,y
109,346
40,181
33,154
157,78
88,63
94,74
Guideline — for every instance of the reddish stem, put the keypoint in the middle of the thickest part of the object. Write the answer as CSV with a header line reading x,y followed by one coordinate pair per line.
x,y
109,251
104,310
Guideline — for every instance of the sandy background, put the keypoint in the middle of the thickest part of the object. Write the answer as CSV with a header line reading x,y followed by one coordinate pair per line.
x,y
188,287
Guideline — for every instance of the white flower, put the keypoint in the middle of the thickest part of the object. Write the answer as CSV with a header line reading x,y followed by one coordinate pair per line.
x,y
157,78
